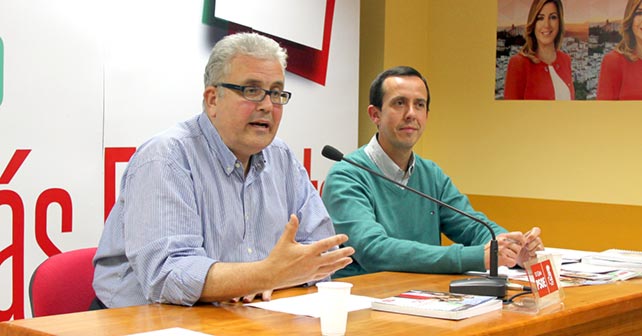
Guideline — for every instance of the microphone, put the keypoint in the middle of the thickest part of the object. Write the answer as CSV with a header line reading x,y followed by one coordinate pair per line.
x,y
493,285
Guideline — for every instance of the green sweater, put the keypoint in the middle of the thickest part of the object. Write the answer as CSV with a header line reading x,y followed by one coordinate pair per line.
x,y
396,230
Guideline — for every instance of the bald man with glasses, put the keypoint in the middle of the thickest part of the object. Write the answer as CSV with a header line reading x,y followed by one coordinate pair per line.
x,y
217,208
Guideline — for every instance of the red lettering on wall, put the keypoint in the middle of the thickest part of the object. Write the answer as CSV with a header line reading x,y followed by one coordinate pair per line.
x,y
307,163
112,156
15,251
45,199
16,161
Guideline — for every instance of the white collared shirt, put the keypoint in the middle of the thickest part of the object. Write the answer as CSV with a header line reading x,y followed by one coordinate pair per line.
x,y
562,92
388,167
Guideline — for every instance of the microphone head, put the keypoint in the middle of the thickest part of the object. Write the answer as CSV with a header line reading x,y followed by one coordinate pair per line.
x,y
332,153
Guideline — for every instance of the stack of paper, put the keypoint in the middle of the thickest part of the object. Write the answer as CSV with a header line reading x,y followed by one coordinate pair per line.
x,y
620,259
586,274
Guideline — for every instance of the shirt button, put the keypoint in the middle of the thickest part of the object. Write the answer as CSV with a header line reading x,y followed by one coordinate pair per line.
x,y
249,250
237,165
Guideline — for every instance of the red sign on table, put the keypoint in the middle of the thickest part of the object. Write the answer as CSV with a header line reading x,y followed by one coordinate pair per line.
x,y
544,278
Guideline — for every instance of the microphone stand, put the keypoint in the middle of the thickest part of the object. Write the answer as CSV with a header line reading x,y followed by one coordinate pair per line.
x,y
493,284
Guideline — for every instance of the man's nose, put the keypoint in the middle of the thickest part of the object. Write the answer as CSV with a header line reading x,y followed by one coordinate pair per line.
x,y
265,104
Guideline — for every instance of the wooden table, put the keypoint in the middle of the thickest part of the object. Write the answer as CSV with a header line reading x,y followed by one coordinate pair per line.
x,y
614,309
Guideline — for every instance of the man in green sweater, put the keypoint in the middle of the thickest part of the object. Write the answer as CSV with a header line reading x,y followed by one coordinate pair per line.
x,y
392,229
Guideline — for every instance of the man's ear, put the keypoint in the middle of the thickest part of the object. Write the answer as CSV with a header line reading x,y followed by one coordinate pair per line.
x,y
375,114
210,99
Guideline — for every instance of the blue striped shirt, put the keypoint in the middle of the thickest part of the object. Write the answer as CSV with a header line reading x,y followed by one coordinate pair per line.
x,y
185,204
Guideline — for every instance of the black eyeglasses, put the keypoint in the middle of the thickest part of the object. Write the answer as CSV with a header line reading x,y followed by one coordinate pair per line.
x,y
257,94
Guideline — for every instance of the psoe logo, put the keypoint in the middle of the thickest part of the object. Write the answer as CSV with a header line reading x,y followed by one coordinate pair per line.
x,y
1,69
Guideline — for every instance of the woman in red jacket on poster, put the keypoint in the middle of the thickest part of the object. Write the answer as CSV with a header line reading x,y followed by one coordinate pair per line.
x,y
621,71
540,70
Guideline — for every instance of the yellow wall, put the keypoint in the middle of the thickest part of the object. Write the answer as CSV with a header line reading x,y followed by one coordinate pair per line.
x,y
569,167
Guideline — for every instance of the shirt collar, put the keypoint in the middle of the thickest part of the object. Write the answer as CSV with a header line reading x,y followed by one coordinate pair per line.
x,y
226,158
388,167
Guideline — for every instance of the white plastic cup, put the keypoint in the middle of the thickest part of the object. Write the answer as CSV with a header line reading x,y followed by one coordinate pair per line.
x,y
333,300
555,258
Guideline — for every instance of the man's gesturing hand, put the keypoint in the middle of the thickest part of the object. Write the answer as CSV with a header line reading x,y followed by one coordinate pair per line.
x,y
291,263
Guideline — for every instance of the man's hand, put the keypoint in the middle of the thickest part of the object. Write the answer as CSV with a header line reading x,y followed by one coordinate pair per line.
x,y
509,246
533,243
291,263
265,296
515,248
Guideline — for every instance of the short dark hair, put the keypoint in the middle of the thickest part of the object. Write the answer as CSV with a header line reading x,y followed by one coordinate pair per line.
x,y
376,88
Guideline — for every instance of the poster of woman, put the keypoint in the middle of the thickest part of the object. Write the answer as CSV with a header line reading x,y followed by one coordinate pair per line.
x,y
554,49
621,70
540,70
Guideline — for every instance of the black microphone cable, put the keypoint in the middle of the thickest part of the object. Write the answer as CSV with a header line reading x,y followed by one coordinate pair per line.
x,y
511,300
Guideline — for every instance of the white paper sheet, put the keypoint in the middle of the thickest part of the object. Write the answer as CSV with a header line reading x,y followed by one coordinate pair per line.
x,y
308,304
171,332
587,268
568,255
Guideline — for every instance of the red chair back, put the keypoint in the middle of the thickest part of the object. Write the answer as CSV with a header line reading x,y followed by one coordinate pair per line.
x,y
63,283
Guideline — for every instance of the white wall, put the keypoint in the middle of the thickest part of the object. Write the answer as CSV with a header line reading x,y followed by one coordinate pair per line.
x,y
84,75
